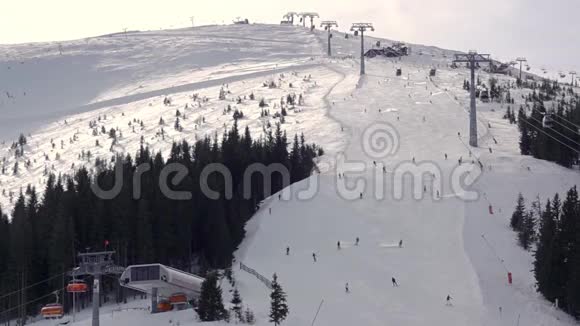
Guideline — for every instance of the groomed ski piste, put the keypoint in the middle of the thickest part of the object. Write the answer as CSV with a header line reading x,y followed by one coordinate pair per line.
x,y
452,243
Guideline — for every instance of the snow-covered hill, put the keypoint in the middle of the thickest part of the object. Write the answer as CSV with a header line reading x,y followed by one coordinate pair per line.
x,y
452,245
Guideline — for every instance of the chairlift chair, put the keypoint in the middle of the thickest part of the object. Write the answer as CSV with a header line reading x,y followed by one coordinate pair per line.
x,y
77,286
547,121
52,311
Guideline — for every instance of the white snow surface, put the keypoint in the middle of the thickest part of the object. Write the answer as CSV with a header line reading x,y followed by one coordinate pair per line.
x,y
451,246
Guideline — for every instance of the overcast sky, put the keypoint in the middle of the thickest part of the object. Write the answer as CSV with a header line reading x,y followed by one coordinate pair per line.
x,y
547,32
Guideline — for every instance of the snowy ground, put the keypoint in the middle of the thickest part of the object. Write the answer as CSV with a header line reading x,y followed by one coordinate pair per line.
x,y
451,246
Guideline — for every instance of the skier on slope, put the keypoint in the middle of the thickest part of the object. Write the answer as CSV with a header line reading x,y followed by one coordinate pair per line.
x,y
394,281
338,245
314,257
287,251
357,241
449,298
400,243
346,288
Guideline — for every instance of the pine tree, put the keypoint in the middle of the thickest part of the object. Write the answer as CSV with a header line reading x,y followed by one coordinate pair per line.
x,y
237,305
211,307
22,140
177,126
544,254
525,140
518,214
526,232
573,285
278,307
249,317
568,231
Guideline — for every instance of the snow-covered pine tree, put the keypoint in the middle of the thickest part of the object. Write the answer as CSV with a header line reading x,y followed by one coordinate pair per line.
x,y
525,138
518,214
177,126
544,255
211,307
249,317
262,103
237,305
527,232
278,307
22,140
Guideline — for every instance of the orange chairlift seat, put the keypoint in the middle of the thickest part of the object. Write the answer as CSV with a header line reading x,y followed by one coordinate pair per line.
x,y
52,311
164,306
178,298
77,286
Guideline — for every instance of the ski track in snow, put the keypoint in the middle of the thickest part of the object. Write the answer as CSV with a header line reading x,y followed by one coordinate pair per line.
x,y
451,246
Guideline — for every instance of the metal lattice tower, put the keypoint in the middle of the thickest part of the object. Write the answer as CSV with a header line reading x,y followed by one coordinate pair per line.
x,y
328,24
521,60
96,264
472,59
310,15
361,28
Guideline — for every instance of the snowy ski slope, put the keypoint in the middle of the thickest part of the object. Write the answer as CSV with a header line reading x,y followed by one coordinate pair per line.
x,y
451,246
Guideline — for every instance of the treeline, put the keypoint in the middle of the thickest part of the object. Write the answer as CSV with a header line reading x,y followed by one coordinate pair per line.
x,y
558,140
44,235
554,230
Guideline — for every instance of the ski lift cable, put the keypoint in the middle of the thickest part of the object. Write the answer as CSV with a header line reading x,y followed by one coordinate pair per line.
x,y
577,131
571,140
32,285
543,107
556,139
570,122
31,301
551,136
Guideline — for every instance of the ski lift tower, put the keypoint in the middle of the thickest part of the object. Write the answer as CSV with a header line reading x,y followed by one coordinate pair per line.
x,y
290,16
328,24
310,15
521,60
472,58
96,264
573,74
361,28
